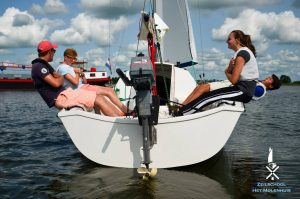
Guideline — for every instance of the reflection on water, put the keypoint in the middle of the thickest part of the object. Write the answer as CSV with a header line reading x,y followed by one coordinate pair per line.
x,y
38,159
105,182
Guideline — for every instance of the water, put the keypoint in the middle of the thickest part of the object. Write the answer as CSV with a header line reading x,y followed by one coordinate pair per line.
x,y
38,159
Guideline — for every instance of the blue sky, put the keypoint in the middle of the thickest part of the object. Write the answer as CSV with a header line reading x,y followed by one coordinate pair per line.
x,y
84,25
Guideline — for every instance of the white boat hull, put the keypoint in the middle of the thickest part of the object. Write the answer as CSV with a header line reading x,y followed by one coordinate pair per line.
x,y
181,140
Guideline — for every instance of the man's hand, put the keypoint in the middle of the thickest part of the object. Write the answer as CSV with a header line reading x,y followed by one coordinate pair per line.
x,y
77,70
56,74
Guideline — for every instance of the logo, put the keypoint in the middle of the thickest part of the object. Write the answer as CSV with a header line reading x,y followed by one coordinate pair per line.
x,y
272,166
44,70
267,186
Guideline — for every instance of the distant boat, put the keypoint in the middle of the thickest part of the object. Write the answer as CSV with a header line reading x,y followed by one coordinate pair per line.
x,y
93,76
15,76
18,76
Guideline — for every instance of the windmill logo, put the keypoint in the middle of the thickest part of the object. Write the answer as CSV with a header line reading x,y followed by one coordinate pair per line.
x,y
272,166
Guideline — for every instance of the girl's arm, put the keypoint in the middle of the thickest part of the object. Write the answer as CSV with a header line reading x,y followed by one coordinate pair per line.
x,y
234,76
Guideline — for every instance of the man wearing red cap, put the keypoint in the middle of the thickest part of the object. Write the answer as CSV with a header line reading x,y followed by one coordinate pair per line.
x,y
50,85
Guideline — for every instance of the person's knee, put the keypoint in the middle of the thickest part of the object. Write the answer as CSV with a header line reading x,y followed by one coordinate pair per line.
x,y
110,90
106,91
99,100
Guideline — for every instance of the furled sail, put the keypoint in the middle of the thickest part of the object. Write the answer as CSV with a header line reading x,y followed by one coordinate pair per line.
x,y
178,44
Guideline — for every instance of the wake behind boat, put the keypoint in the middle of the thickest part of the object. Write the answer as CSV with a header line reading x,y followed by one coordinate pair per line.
x,y
156,139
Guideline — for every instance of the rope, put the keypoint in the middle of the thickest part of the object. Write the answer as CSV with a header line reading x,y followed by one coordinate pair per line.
x,y
140,27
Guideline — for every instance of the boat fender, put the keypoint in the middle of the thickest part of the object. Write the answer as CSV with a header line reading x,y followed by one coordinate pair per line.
x,y
260,91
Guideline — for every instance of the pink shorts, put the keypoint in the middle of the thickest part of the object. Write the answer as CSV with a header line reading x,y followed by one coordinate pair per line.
x,y
70,97
89,87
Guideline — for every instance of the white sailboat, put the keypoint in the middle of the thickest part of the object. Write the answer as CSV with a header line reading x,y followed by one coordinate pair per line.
x,y
178,141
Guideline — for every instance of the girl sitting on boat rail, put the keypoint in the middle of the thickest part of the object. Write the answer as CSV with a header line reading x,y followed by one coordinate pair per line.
x,y
242,72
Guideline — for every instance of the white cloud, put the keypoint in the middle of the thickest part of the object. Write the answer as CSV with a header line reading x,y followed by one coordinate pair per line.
x,y
112,8
288,56
283,62
51,7
85,28
263,27
217,4
213,62
20,29
95,57
36,9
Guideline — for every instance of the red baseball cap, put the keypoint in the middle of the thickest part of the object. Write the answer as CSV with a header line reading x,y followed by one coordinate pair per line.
x,y
46,45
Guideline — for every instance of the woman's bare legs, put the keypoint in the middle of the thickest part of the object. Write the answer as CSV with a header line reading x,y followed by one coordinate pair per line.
x,y
106,107
198,91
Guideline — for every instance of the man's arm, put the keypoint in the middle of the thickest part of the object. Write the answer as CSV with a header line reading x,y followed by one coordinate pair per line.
x,y
56,80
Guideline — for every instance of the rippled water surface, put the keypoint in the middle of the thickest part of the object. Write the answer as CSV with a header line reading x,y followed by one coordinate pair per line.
x,y
38,159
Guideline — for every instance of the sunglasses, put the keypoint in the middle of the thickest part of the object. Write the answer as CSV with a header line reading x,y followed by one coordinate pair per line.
x,y
73,59
53,50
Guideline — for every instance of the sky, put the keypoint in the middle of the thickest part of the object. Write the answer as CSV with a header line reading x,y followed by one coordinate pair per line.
x,y
99,29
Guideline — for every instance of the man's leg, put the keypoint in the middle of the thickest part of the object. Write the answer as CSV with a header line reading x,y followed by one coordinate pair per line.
x,y
108,92
106,107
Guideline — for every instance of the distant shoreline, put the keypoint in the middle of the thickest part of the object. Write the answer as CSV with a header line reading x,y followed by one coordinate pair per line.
x,y
292,84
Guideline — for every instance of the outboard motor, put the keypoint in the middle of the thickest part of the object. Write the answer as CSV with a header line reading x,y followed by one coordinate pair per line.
x,y
147,105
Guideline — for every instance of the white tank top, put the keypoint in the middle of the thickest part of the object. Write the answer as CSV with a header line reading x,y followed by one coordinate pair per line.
x,y
250,69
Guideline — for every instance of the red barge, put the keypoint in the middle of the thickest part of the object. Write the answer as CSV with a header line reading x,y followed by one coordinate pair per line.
x,y
18,76
15,76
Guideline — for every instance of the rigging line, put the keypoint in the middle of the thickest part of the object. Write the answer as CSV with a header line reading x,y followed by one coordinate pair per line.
x,y
140,27
188,19
185,16
109,43
188,23
201,42
109,21
121,43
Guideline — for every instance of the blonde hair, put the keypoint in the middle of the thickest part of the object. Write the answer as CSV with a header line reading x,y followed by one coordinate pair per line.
x,y
70,52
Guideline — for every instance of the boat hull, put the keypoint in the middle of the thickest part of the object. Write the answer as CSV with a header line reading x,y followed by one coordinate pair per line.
x,y
16,84
181,141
